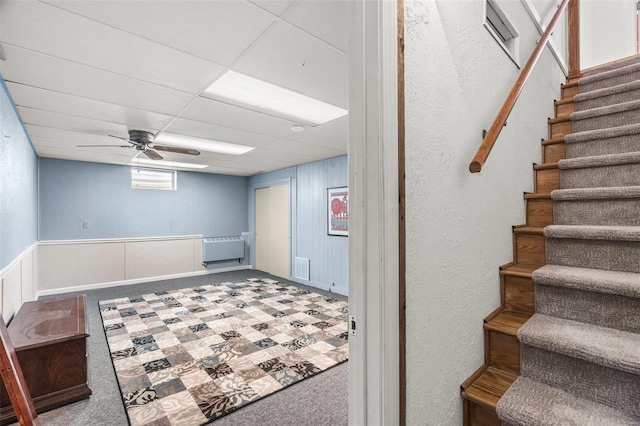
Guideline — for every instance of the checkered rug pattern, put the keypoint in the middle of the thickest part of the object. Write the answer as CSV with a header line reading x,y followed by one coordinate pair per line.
x,y
190,356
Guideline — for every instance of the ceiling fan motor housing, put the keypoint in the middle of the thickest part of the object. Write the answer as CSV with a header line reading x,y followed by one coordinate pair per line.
x,y
141,137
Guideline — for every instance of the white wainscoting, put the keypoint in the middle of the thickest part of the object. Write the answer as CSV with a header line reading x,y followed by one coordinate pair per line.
x,y
79,265
17,284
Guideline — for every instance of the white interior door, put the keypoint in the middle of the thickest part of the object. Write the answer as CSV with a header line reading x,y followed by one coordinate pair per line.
x,y
272,230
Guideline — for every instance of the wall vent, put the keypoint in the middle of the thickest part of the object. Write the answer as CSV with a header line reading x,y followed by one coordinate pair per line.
x,y
302,268
502,30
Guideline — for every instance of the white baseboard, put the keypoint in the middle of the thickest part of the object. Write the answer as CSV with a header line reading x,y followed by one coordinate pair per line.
x,y
137,281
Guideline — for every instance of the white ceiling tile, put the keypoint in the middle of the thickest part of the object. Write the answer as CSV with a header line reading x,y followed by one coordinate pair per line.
x,y
317,137
35,69
227,115
29,96
218,133
40,117
294,147
325,19
46,29
274,6
62,137
214,30
77,155
291,58
270,154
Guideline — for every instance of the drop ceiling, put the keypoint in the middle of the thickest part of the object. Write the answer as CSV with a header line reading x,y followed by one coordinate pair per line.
x,y
80,71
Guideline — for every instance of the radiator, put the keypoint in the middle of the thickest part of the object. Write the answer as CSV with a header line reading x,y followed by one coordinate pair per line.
x,y
222,248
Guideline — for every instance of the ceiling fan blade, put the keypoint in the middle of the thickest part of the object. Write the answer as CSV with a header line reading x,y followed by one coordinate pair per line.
x,y
121,138
176,150
104,146
152,154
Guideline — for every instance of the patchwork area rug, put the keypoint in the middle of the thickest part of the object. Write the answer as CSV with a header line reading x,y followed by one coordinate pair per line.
x,y
190,356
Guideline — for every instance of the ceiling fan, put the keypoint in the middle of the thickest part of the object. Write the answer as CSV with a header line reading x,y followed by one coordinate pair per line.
x,y
143,142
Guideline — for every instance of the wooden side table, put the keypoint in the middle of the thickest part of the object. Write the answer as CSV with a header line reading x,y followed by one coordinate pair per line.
x,y
50,339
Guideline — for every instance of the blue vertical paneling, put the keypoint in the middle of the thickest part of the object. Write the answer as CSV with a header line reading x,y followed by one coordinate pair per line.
x,y
18,183
72,192
329,255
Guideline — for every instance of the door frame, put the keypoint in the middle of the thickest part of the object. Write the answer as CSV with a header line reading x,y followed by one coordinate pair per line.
x,y
376,351
291,181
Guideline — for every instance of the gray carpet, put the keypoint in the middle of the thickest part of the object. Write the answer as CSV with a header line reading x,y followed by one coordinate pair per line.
x,y
580,351
319,400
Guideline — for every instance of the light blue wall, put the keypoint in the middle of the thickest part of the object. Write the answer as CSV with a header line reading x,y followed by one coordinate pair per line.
x,y
18,183
329,255
72,192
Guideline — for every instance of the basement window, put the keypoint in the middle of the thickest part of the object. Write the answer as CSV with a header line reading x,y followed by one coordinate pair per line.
x,y
153,179
500,27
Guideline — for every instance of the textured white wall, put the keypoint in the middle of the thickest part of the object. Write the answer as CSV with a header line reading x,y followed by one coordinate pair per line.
x,y
607,31
458,223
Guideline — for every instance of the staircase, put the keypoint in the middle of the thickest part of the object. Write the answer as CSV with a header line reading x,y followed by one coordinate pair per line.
x,y
482,391
580,355
576,361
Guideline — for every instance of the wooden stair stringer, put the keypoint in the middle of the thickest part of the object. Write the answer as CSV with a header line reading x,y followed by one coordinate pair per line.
x,y
484,388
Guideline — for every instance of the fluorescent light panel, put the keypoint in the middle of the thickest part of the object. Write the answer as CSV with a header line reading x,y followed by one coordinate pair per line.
x,y
180,141
269,98
163,164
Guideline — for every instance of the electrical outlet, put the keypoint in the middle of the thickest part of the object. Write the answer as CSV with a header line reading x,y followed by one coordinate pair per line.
x,y
85,224
352,325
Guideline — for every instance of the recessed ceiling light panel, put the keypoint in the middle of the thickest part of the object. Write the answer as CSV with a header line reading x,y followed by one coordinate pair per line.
x,y
181,141
271,99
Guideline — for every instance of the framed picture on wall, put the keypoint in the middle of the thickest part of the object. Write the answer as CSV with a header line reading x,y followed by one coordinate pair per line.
x,y
338,211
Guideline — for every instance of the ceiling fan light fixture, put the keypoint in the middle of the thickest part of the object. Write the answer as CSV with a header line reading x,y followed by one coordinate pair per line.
x,y
271,99
163,164
209,145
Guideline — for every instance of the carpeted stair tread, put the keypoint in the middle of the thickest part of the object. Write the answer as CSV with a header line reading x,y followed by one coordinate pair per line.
x,y
608,193
600,161
607,91
596,280
606,75
591,232
607,96
598,345
610,132
531,403
605,110
623,62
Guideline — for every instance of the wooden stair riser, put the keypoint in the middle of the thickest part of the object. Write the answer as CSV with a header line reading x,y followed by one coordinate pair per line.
x,y
529,249
569,90
502,351
476,414
565,109
547,180
517,294
554,152
558,130
539,212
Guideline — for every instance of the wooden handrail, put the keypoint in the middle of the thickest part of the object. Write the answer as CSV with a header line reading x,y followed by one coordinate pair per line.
x,y
492,135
